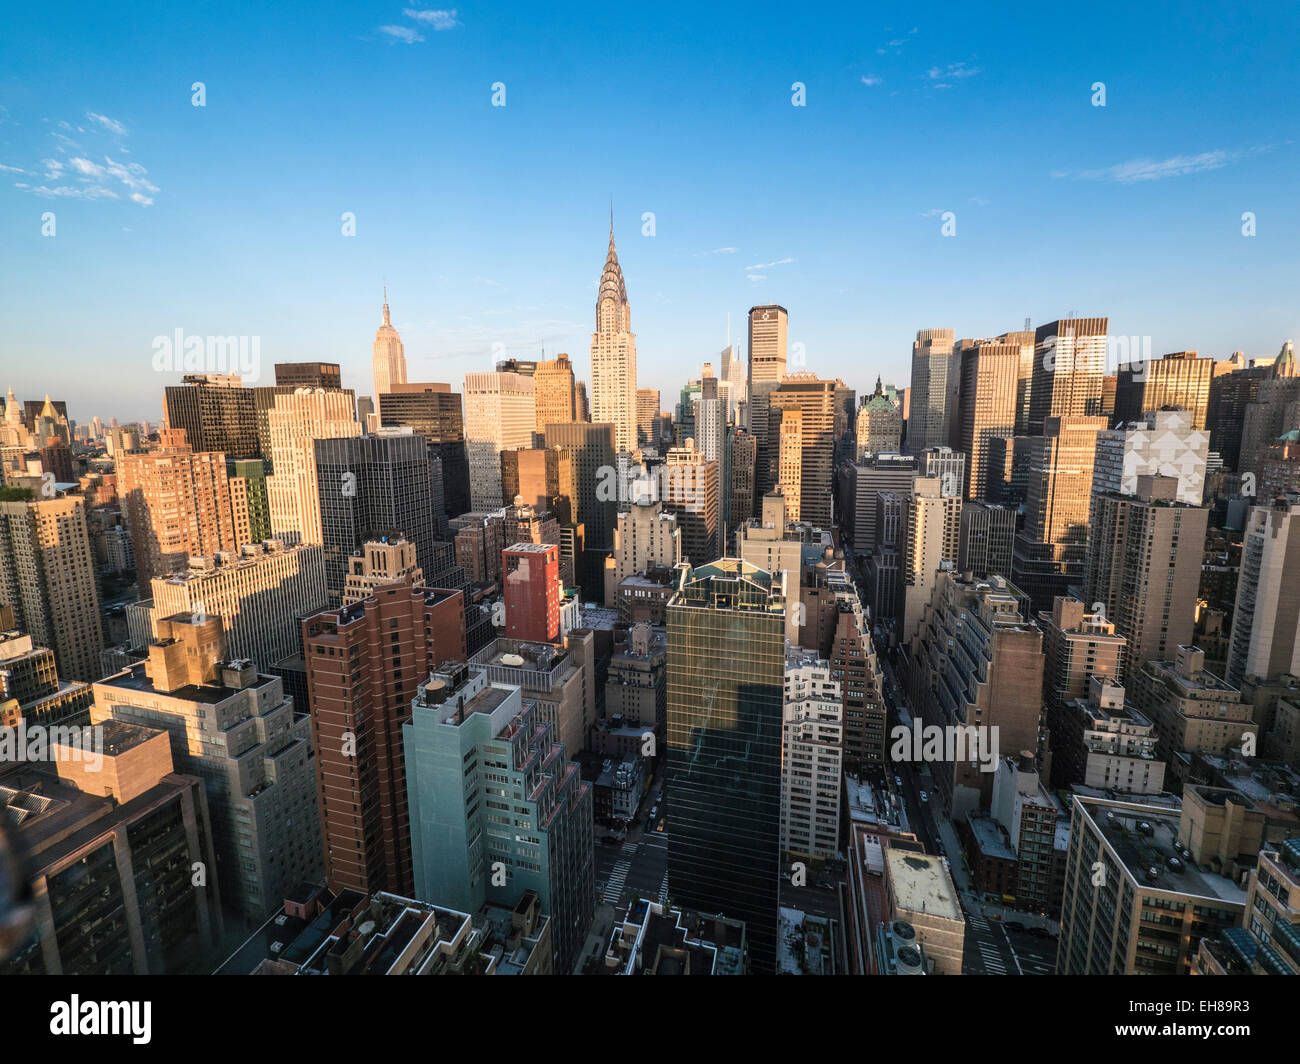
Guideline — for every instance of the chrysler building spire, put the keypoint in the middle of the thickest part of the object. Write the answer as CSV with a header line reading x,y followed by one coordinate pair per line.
x,y
613,353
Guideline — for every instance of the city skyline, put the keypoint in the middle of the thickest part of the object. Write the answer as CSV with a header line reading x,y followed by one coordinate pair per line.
x,y
502,259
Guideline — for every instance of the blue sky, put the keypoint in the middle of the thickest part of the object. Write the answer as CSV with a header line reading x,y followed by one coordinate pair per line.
x,y
489,223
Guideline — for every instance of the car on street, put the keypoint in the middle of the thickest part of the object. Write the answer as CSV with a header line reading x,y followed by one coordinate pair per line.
x,y
1013,925
898,782
924,797
1041,932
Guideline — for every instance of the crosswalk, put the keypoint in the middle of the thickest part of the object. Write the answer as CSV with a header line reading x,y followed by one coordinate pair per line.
x,y
617,879
992,959
663,890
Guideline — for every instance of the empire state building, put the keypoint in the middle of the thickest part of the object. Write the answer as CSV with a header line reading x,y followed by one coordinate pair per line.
x,y
613,355
389,360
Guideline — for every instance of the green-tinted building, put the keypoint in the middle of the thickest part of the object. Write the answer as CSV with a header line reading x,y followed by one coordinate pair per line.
x,y
250,497
726,660
496,808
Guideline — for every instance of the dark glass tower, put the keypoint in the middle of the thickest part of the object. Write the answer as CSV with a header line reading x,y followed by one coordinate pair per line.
x,y
726,661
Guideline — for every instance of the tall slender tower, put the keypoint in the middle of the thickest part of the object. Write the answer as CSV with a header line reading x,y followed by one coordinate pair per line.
x,y
389,358
613,354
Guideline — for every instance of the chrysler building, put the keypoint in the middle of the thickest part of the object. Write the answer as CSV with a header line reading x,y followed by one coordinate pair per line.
x,y
613,355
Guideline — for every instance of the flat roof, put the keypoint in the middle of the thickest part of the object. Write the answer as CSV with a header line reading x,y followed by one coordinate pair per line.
x,y
921,884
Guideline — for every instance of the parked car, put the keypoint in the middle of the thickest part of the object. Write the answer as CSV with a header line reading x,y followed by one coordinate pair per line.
x,y
1013,925
898,782
1041,932
924,797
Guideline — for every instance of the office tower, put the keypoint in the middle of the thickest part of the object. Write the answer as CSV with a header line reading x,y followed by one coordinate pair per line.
x,y
388,360
249,507
688,487
933,390
768,329
1051,551
1135,902
744,455
971,621
1233,387
499,417
371,486
1179,381
434,412
613,355
589,448
554,399
989,375
1008,469
1280,473
1144,566
1024,342
177,503
646,537
726,664
1274,411
364,663
308,375
929,540
1069,363
883,561
814,400
1265,640
1161,443
987,539
468,740
295,423
581,402
47,577
216,413
764,544
479,540
1102,742
921,897
647,410
264,400
531,582
860,482
855,668
787,425
261,593
812,757
536,475
111,853
235,729
386,560
636,690
879,425
1078,645
1194,711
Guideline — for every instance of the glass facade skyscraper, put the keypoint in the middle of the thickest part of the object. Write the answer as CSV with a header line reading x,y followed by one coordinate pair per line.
x,y
726,660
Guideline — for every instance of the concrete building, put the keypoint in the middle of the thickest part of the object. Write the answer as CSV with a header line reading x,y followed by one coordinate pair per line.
x,y
989,372
434,411
613,355
295,422
216,412
804,445
31,688
364,662
308,375
500,416
860,482
987,538
1069,364
879,425
688,486
1144,566
1102,742
177,503
919,890
47,578
1138,898
933,391
812,757
768,350
553,394
929,540
1194,711
1178,381
261,593
1265,639
234,728
469,744
652,939
387,560
530,576
110,858
1162,443
646,537
1029,814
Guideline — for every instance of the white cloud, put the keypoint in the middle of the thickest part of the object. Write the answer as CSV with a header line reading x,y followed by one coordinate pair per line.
x,y
439,20
1136,170
405,34
952,70
111,124
91,192
12,169
722,251
757,276
769,265
870,79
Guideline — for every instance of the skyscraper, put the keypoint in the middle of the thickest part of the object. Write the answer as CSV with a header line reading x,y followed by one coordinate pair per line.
x,y
613,354
589,449
364,663
389,356
647,410
177,503
1178,381
1266,620
768,329
814,400
879,426
933,390
295,422
554,397
47,576
1069,363
216,413
986,408
499,416
531,584
435,412
726,662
